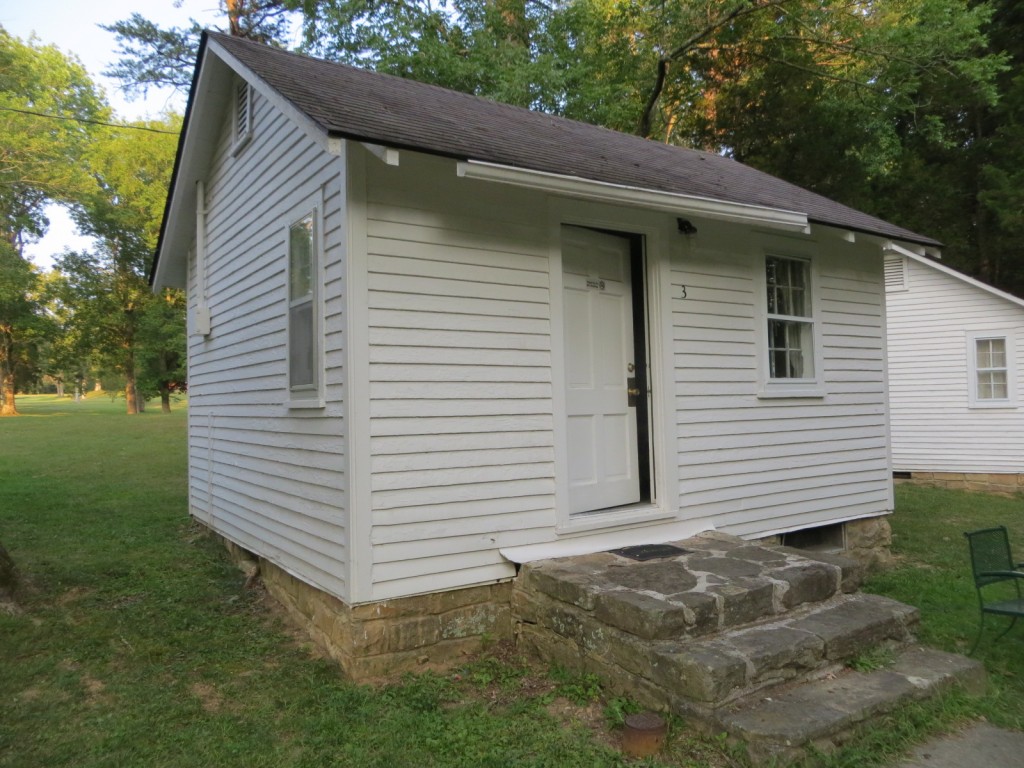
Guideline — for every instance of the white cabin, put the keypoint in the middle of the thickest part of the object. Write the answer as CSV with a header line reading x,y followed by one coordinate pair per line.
x,y
956,346
431,336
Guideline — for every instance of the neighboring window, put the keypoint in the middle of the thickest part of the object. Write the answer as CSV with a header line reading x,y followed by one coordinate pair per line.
x,y
242,114
303,346
790,319
992,369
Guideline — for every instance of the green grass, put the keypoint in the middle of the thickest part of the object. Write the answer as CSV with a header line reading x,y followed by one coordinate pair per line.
x,y
136,643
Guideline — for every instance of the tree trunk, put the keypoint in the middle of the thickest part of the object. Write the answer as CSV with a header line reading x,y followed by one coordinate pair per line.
x,y
7,406
7,390
165,399
60,388
140,402
130,395
8,575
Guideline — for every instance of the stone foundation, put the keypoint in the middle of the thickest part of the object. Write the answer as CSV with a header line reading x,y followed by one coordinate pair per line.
x,y
867,541
1003,484
435,631
386,638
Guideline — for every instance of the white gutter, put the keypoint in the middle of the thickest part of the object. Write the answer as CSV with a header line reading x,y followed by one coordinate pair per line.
x,y
670,202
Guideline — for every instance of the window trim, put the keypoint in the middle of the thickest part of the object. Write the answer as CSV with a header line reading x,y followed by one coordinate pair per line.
x,y
972,339
306,396
241,134
784,387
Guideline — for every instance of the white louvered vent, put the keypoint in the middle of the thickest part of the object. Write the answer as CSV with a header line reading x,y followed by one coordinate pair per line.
x,y
896,273
243,114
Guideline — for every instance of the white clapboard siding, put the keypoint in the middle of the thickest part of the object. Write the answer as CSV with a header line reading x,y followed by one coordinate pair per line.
x,y
763,465
934,427
270,479
461,421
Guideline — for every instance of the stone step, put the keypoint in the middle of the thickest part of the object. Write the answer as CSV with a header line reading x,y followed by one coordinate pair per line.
x,y
779,725
717,582
714,671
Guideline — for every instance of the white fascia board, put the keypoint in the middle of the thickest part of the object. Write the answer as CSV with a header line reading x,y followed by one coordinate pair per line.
x,y
327,143
197,146
669,202
891,247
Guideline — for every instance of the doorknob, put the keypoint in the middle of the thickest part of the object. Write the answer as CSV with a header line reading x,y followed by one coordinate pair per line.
x,y
633,392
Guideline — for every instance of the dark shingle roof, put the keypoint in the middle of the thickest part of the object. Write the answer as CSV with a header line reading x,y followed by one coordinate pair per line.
x,y
352,103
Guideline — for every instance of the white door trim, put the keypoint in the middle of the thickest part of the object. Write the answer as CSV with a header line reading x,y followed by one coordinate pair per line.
x,y
660,235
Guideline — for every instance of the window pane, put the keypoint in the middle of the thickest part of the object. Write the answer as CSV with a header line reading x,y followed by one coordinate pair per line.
x,y
790,350
301,346
787,281
997,353
300,259
1000,391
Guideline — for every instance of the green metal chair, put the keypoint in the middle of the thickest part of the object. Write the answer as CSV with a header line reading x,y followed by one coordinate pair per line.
x,y
996,577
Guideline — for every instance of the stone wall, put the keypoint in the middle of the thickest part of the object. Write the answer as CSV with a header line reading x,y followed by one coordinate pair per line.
x,y
1005,484
386,638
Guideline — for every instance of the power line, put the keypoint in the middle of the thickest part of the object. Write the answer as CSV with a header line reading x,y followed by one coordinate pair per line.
x,y
90,122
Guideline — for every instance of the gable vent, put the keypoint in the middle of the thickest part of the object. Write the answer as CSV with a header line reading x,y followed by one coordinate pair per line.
x,y
243,113
896,273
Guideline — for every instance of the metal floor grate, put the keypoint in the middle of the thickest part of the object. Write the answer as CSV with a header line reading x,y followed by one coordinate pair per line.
x,y
650,551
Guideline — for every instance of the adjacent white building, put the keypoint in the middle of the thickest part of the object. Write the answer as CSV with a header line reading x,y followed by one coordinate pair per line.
x,y
431,336
955,351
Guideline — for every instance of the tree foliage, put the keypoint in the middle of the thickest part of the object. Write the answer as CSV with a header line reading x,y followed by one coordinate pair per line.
x,y
46,103
909,109
107,287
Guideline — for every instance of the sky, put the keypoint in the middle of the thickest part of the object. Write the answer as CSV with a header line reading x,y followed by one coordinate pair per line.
x,y
71,25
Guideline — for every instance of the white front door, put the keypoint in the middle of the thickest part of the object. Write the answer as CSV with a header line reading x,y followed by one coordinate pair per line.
x,y
599,357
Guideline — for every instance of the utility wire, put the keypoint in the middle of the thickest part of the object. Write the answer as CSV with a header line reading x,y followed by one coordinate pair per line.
x,y
86,120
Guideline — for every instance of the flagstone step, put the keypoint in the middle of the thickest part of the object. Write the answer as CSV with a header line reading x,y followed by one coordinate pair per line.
x,y
778,726
713,671
717,582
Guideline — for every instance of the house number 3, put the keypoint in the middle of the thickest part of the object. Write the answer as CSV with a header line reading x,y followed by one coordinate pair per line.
x,y
682,291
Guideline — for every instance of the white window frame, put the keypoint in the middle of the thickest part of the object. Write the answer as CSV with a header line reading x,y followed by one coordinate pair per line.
x,y
241,123
306,395
976,401
772,387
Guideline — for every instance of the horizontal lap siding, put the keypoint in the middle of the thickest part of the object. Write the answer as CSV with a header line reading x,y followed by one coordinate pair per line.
x,y
933,427
460,377
763,465
270,479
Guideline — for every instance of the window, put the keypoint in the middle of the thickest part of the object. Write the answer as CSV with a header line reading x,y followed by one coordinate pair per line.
x,y
303,342
790,319
242,115
991,369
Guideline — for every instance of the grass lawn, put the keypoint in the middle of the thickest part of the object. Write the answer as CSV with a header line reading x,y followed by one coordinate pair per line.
x,y
135,643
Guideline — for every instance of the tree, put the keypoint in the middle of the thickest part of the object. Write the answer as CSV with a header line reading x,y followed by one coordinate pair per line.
x,y
107,288
19,322
162,347
153,56
46,104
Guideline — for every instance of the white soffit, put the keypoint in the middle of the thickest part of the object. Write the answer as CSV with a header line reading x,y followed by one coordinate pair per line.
x,y
670,202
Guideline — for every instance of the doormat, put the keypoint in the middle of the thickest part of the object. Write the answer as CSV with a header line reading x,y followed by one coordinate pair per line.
x,y
650,551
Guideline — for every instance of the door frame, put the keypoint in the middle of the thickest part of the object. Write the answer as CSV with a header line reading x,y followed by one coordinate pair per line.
x,y
654,232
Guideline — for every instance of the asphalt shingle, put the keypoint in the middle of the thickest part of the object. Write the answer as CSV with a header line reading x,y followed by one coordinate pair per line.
x,y
352,103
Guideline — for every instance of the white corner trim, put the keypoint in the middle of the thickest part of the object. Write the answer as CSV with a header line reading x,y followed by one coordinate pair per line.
x,y
670,202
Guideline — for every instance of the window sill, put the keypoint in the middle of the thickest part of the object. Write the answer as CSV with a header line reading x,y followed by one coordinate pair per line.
x,y
999,405
309,404
775,390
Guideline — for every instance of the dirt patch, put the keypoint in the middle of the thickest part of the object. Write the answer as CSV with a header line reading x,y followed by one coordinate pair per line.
x,y
209,697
